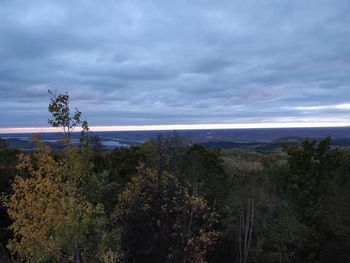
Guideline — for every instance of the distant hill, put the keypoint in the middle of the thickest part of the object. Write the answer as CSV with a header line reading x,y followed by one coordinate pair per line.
x,y
259,139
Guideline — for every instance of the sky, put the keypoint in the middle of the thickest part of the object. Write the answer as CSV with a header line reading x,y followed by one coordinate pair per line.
x,y
192,63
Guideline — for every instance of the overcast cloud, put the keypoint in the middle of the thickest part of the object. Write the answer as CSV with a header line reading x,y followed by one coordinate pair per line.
x,y
176,62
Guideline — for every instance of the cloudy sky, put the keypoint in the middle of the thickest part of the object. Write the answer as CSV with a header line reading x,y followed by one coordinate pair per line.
x,y
176,62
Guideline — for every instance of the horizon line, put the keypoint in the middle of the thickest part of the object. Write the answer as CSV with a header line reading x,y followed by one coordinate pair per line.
x,y
169,127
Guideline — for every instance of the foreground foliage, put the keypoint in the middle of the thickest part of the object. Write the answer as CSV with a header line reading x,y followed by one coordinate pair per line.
x,y
162,221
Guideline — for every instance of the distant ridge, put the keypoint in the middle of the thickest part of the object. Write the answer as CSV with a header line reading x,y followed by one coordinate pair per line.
x,y
225,138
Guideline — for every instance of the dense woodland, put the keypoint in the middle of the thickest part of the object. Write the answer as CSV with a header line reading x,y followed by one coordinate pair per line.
x,y
169,200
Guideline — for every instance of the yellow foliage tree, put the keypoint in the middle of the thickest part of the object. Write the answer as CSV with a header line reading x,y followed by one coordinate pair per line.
x,y
56,215
35,204
52,219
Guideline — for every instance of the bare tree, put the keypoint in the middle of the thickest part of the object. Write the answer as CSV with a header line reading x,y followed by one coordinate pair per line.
x,y
246,223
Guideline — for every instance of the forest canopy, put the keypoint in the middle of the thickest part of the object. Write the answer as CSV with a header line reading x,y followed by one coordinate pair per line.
x,y
170,200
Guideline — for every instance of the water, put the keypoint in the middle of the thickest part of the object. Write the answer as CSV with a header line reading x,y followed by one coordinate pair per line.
x,y
128,138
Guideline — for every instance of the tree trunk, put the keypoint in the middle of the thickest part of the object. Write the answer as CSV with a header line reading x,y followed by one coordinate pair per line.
x,y
245,229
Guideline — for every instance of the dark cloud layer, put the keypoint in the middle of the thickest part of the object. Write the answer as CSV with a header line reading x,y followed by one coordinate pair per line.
x,y
165,62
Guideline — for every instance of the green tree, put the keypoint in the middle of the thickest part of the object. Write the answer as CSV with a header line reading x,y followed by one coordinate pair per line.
x,y
308,185
62,117
205,170
166,153
161,221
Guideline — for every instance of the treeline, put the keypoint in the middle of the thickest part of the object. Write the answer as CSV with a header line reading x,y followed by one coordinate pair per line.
x,y
172,201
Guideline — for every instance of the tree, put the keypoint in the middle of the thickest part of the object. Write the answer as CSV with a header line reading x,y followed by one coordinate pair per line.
x,y
57,215
309,184
161,221
244,206
8,162
62,117
166,153
120,165
34,206
205,170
